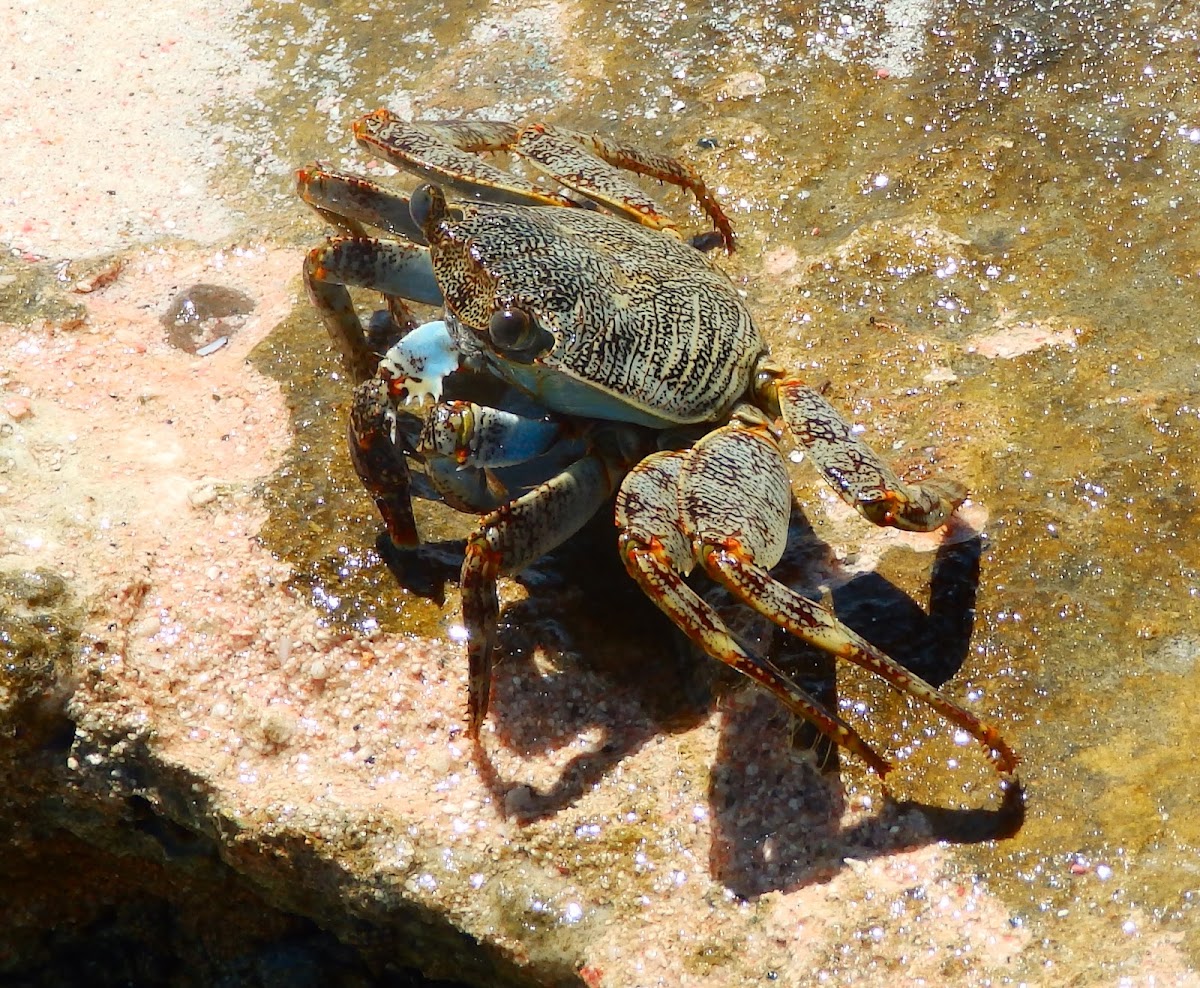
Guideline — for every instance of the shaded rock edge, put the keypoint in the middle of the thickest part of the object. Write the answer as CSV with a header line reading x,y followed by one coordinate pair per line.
x,y
121,867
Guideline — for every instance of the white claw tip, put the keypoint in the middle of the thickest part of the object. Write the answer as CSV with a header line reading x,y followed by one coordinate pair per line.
x,y
421,360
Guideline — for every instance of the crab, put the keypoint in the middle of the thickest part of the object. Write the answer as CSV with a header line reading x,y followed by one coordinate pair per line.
x,y
586,348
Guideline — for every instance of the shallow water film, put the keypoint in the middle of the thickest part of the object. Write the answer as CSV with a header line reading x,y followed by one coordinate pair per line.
x,y
978,220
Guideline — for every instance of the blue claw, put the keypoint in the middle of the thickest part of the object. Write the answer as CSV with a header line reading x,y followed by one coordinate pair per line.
x,y
421,361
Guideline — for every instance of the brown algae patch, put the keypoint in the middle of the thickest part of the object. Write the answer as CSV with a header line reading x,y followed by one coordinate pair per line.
x,y
38,292
40,628
1097,641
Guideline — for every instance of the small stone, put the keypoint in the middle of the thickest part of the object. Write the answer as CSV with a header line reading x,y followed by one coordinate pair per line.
x,y
105,273
18,408
278,725
518,800
202,494
739,85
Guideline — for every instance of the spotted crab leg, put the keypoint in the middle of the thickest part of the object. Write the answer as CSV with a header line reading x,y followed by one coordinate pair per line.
x,y
509,539
658,554
446,153
399,270
737,530
380,463
728,562
350,204
578,161
852,468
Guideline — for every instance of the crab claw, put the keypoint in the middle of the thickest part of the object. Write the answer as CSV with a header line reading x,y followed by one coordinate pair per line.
x,y
380,463
416,366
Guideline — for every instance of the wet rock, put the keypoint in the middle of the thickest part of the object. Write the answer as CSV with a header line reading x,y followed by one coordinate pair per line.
x,y
201,315
1175,655
39,632
292,726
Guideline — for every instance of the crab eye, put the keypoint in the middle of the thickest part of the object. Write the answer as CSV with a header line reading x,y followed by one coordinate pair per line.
x,y
427,206
511,329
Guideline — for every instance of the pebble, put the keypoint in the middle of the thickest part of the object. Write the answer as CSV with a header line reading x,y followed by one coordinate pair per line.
x,y
18,408
739,85
278,726
202,494
99,278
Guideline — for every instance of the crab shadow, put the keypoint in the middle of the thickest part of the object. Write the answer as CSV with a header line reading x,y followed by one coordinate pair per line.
x,y
587,656
779,822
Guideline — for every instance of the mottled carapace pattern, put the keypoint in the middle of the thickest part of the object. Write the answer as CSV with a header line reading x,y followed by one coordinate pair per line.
x,y
616,358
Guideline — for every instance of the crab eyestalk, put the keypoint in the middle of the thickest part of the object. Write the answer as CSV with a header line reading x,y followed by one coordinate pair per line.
x,y
427,206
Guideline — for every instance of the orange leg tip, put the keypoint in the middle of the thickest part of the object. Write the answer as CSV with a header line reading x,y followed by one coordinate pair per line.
x,y
481,550
404,540
1005,760
401,527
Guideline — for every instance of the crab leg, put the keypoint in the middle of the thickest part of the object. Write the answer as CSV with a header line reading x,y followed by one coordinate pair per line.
x,y
730,533
658,554
380,463
387,266
729,562
852,468
396,269
579,162
446,153
564,156
509,539
348,202
737,531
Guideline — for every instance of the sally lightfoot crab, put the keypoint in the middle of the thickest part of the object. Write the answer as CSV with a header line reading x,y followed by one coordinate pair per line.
x,y
584,348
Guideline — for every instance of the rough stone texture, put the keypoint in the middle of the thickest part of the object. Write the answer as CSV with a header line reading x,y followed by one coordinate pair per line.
x,y
231,749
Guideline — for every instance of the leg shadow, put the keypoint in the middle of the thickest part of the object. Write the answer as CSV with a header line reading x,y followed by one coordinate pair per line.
x,y
934,645
585,654
780,824
779,821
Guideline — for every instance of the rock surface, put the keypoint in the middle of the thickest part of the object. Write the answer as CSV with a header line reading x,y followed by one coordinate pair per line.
x,y
231,745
